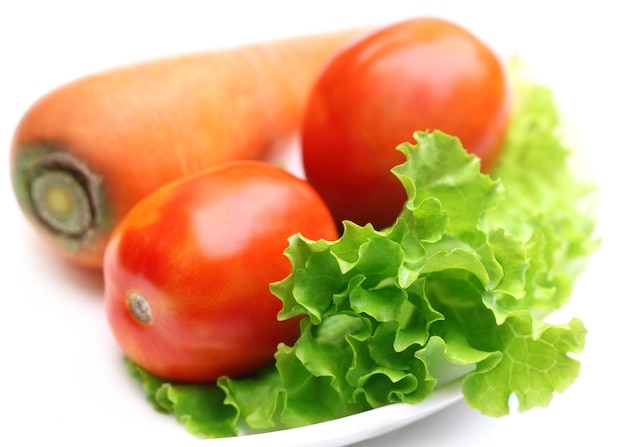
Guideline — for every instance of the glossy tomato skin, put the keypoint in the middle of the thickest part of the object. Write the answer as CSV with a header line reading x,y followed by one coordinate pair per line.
x,y
202,252
417,75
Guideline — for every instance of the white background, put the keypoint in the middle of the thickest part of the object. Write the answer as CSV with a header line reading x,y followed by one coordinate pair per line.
x,y
60,372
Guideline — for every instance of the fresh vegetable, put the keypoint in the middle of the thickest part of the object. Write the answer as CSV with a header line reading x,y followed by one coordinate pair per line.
x,y
419,74
459,285
85,153
188,269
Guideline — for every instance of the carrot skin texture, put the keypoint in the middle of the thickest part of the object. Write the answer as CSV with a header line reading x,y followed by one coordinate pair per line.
x,y
133,129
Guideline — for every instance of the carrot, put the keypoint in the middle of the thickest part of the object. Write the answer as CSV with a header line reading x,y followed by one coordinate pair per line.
x,y
86,152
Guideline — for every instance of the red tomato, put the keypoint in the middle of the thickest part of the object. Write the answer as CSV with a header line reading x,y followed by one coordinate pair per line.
x,y
187,271
417,75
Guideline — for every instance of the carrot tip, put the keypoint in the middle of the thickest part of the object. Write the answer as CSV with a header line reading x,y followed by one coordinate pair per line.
x,y
60,193
61,202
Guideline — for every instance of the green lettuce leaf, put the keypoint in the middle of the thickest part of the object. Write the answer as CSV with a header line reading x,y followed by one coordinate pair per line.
x,y
199,408
458,286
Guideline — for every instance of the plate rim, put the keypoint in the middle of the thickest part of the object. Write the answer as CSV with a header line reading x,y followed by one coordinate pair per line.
x,y
350,429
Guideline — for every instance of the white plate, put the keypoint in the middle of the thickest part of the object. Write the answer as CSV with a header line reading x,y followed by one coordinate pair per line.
x,y
351,429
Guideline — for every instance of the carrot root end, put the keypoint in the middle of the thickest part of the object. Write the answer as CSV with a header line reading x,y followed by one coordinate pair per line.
x,y
61,202
60,194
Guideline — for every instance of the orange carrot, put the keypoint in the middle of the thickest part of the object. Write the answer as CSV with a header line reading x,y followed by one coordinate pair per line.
x,y
86,152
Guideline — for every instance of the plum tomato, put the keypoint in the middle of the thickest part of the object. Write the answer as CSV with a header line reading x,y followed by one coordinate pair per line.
x,y
422,74
187,271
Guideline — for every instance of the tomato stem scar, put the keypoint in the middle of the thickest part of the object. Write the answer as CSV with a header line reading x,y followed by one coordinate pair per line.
x,y
139,307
